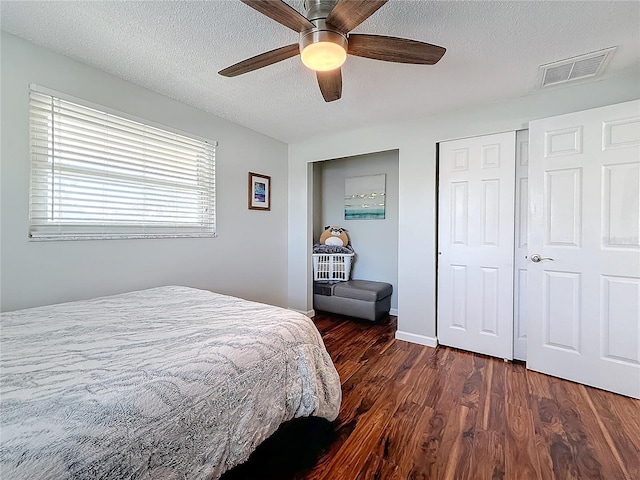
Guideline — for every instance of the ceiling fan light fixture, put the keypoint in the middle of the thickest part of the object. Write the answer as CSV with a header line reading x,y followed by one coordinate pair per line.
x,y
323,50
323,56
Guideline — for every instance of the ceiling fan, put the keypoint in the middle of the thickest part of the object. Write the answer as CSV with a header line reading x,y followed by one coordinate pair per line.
x,y
325,40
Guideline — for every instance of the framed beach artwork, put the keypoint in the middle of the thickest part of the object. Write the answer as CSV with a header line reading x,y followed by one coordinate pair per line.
x,y
364,197
259,191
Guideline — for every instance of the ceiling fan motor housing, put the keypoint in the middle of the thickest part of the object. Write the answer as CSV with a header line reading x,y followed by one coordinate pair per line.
x,y
322,33
318,9
317,12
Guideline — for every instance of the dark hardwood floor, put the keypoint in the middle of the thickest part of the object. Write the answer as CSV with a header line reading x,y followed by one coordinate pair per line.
x,y
413,412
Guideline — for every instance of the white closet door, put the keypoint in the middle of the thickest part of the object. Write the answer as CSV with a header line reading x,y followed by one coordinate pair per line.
x,y
520,256
584,305
475,244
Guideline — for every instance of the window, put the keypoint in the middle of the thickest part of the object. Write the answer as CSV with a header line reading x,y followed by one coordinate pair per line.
x,y
96,174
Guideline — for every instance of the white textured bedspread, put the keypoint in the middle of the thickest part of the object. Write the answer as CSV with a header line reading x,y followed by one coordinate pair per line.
x,y
166,383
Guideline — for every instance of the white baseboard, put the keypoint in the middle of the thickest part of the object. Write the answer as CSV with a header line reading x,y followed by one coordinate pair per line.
x,y
308,313
419,339
393,311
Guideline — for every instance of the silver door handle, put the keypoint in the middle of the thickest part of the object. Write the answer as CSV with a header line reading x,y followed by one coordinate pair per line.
x,y
535,258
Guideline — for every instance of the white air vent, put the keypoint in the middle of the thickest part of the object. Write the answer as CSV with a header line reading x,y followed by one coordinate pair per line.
x,y
576,68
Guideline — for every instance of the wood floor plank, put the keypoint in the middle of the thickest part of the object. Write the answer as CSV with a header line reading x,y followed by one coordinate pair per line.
x,y
422,380
623,434
447,423
516,386
411,426
497,411
554,449
401,429
538,384
484,403
414,412
357,398
488,455
473,389
346,368
448,456
465,463
414,360
372,467
389,362
521,455
350,460
544,456
594,454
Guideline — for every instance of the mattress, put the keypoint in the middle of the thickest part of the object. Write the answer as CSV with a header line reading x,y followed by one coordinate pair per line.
x,y
165,383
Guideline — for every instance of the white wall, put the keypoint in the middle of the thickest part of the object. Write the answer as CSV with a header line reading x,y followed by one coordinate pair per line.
x,y
248,258
416,142
375,241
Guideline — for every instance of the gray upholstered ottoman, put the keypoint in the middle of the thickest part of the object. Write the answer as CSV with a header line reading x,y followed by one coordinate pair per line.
x,y
355,298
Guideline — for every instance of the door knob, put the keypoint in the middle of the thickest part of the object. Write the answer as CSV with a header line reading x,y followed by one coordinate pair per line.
x,y
535,258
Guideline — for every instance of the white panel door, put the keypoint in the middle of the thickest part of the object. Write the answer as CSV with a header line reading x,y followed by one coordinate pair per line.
x,y
520,254
584,305
475,244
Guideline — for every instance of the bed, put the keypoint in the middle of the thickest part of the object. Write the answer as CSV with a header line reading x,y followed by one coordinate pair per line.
x,y
165,383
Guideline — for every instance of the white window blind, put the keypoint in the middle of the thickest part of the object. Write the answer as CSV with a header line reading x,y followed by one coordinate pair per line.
x,y
95,174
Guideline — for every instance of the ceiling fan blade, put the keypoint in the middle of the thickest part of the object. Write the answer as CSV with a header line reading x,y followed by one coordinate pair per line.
x,y
394,49
281,12
348,14
262,60
330,84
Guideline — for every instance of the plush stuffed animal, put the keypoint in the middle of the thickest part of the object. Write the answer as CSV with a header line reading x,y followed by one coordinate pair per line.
x,y
334,236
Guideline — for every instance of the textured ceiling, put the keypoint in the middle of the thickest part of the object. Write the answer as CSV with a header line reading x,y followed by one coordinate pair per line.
x,y
176,48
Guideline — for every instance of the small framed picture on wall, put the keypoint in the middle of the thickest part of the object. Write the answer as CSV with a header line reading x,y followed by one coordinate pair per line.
x,y
259,191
